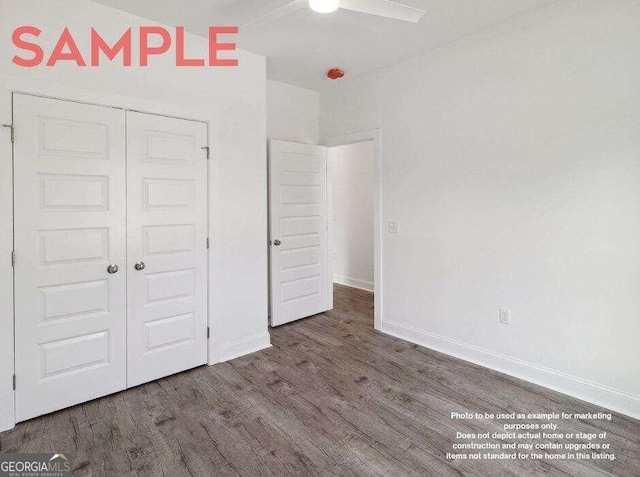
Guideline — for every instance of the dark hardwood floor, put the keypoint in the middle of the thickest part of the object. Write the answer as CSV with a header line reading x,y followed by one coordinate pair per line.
x,y
331,397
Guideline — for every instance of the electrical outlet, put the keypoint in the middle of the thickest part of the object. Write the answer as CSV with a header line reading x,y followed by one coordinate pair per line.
x,y
505,316
393,227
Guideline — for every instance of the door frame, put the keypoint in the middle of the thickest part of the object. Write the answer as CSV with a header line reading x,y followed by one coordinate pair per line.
x,y
374,135
9,86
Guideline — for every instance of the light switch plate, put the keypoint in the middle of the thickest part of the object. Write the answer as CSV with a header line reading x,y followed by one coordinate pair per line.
x,y
393,227
505,316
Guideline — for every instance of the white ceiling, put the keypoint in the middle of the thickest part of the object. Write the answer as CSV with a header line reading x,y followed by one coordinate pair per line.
x,y
302,46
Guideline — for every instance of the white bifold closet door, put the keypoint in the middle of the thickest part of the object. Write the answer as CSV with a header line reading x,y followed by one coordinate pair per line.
x,y
70,226
167,238
110,243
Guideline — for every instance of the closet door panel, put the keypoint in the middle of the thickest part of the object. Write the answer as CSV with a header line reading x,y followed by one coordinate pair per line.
x,y
70,231
167,251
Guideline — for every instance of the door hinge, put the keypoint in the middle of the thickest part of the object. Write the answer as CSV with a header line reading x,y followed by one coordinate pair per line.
x,y
14,382
13,258
208,242
206,148
13,131
208,332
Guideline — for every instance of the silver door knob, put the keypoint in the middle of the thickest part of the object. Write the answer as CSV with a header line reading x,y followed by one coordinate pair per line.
x,y
112,269
139,266
277,242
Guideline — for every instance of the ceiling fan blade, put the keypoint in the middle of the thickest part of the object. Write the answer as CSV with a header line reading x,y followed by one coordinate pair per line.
x,y
384,8
273,15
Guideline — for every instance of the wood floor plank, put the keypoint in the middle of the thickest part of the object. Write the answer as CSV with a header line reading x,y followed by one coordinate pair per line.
x,y
331,397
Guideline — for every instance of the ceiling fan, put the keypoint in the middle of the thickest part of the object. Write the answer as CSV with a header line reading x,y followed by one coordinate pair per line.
x,y
380,8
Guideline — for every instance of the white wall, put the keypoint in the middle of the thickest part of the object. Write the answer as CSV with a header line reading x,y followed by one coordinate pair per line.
x,y
511,161
232,99
351,172
293,113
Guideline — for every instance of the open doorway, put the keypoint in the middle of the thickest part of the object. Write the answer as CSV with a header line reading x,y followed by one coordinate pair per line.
x,y
353,173
301,226
351,192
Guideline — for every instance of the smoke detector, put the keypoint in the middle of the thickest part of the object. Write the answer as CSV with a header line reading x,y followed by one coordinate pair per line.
x,y
335,73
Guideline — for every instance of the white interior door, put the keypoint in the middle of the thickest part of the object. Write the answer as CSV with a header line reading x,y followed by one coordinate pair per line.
x,y
70,226
167,246
298,229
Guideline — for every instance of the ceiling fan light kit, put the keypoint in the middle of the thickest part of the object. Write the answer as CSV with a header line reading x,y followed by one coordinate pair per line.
x,y
324,6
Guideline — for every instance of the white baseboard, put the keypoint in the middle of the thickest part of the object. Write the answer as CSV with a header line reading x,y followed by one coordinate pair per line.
x,y
609,398
7,417
353,282
244,346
